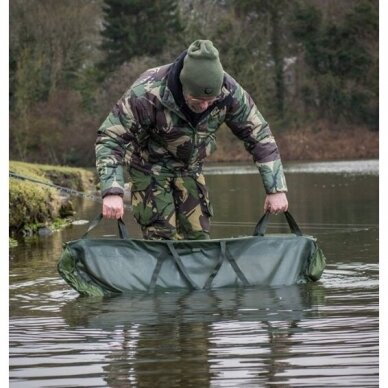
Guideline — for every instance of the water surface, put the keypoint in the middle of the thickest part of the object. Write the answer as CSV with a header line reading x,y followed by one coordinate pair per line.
x,y
316,335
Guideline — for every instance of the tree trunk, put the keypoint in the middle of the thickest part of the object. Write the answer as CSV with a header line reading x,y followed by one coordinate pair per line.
x,y
278,60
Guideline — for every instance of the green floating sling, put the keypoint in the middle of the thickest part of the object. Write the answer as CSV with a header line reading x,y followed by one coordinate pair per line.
x,y
106,266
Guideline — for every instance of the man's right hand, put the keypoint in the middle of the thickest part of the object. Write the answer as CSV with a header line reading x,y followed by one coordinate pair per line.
x,y
113,206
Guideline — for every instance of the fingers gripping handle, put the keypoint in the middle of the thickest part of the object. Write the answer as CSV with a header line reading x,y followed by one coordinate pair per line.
x,y
123,233
261,226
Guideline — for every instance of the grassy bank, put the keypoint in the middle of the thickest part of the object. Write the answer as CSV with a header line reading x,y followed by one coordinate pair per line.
x,y
33,206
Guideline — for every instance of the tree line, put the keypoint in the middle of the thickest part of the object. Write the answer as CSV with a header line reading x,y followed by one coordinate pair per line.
x,y
306,63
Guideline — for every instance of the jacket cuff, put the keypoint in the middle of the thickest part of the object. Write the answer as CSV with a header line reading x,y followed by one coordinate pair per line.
x,y
273,177
112,181
113,191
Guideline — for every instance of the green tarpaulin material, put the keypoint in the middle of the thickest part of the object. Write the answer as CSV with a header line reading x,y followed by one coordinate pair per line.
x,y
107,266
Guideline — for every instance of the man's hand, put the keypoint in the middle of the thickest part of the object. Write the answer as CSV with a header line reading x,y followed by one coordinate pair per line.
x,y
113,206
276,203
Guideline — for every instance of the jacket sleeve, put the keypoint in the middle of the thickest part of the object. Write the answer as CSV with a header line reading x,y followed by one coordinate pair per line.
x,y
247,123
114,146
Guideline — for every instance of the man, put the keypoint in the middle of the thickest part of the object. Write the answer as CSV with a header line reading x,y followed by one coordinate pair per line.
x,y
163,128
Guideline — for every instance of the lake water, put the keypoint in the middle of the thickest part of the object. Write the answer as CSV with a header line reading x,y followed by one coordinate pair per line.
x,y
316,335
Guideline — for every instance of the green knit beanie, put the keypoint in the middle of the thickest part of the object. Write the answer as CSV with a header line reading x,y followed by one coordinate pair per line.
x,y
202,74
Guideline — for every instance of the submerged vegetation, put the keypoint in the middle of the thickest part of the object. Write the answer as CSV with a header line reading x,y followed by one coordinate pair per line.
x,y
35,208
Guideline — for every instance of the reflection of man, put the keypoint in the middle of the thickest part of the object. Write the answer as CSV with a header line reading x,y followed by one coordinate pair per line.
x,y
164,127
161,355
156,343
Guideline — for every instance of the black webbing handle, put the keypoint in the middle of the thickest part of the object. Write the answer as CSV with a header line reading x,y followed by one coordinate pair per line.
x,y
154,278
225,255
120,223
181,267
261,226
233,263
213,274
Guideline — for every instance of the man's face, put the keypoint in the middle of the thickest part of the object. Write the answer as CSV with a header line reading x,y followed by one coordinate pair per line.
x,y
199,105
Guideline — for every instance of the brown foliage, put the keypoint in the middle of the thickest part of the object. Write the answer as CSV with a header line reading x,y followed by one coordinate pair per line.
x,y
115,85
60,131
307,144
57,104
326,144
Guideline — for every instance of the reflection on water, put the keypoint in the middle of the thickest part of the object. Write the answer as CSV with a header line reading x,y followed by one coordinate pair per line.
x,y
274,304
195,328
321,334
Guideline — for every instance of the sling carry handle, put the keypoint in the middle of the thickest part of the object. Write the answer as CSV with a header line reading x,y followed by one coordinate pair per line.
x,y
261,226
123,233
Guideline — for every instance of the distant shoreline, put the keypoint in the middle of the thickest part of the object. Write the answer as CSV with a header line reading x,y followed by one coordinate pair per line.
x,y
355,167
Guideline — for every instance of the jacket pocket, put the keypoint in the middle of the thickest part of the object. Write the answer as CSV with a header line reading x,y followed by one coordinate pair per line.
x,y
143,197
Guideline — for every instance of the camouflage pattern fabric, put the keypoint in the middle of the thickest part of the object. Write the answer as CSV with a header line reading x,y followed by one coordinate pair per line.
x,y
148,130
170,207
151,131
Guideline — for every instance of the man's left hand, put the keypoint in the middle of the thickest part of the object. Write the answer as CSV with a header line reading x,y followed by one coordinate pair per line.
x,y
276,203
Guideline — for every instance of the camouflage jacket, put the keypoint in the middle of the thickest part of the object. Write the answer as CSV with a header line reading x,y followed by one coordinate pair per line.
x,y
151,129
